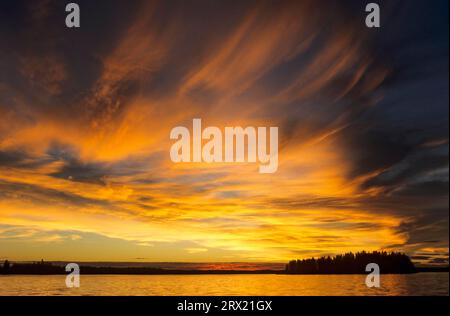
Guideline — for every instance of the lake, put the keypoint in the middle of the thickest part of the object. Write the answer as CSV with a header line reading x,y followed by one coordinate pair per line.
x,y
222,285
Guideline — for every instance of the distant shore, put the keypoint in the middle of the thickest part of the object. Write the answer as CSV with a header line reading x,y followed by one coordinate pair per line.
x,y
348,263
49,269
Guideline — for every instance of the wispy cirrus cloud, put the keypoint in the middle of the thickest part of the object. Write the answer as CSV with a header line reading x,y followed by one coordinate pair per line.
x,y
84,132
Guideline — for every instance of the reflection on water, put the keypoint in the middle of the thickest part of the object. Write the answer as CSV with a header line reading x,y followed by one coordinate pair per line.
x,y
261,284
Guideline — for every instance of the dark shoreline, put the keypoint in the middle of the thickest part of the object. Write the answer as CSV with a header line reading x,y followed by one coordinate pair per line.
x,y
86,270
348,263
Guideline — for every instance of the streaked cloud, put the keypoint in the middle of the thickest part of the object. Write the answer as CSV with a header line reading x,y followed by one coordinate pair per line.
x,y
85,121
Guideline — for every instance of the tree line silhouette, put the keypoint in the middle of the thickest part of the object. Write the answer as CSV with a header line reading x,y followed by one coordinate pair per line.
x,y
350,263
30,268
47,268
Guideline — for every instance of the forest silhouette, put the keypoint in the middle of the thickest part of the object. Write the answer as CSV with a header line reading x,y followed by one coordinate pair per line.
x,y
350,263
347,263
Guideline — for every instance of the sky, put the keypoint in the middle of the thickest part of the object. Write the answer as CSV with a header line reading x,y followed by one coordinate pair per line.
x,y
86,113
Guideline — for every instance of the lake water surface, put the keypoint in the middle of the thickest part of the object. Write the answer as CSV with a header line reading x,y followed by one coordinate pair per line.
x,y
222,285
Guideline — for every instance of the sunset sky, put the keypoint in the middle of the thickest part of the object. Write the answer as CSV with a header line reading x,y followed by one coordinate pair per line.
x,y
85,118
